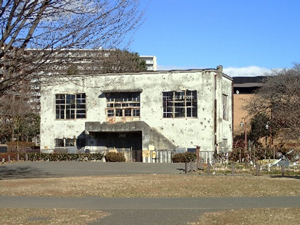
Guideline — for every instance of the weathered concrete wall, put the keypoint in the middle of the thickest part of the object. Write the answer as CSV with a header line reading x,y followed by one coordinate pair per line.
x,y
150,136
186,132
224,126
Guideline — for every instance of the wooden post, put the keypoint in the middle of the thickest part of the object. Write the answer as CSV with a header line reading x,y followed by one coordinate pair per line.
x,y
208,166
282,170
257,169
200,165
198,157
185,166
254,154
232,168
8,158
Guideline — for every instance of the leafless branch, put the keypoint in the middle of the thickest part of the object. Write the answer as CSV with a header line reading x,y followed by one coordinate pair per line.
x,y
56,26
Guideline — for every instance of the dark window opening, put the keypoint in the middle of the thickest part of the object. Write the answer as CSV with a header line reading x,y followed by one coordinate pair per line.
x,y
70,106
123,104
179,104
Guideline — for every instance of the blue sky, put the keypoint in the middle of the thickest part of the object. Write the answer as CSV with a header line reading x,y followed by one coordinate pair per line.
x,y
247,37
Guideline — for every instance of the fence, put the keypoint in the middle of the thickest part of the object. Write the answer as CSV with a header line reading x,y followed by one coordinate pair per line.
x,y
157,156
147,156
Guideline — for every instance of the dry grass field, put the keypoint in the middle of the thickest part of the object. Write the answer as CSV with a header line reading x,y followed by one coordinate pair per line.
x,y
286,216
49,216
153,185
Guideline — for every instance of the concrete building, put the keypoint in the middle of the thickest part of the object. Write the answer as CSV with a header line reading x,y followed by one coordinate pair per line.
x,y
138,112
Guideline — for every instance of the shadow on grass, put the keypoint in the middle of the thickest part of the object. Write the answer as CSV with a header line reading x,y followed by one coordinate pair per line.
x,y
286,176
21,172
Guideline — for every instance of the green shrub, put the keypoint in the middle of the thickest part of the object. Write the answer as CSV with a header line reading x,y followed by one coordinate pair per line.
x,y
115,157
184,157
50,157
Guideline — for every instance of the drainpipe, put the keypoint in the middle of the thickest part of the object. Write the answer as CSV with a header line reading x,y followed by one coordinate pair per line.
x,y
215,110
218,76
232,111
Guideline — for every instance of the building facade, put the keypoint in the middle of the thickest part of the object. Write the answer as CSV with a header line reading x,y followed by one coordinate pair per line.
x,y
244,89
151,62
138,112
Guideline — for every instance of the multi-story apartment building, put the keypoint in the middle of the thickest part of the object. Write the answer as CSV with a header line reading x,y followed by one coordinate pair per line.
x,y
151,62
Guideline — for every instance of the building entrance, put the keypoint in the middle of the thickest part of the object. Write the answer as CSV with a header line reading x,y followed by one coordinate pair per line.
x,y
130,143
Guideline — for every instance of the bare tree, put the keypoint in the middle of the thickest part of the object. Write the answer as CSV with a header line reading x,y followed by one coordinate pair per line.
x,y
19,119
56,26
279,100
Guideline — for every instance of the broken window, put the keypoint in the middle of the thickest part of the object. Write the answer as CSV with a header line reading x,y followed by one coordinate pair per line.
x,y
70,106
70,142
178,104
65,142
225,107
59,143
124,104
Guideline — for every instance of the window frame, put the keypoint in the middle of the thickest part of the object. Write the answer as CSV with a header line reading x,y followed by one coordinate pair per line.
x,y
123,104
180,104
70,106
65,142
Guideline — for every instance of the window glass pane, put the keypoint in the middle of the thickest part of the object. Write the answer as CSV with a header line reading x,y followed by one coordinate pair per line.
x,y
70,99
110,113
59,142
127,112
136,112
72,114
62,114
119,112
70,142
68,114
80,111
194,112
80,106
179,95
179,112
